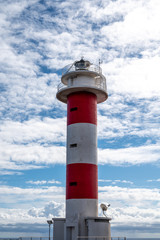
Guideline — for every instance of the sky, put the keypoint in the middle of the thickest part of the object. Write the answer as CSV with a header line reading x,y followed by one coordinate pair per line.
x,y
37,39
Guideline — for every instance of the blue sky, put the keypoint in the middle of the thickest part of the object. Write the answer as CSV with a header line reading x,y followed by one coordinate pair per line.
x,y
37,39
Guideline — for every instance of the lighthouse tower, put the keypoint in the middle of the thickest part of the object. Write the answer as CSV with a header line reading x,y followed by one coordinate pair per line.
x,y
82,87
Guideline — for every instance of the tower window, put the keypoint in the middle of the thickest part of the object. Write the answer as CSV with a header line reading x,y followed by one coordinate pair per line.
x,y
73,145
73,184
73,109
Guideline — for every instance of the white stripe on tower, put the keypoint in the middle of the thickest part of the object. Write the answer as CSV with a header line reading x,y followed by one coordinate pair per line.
x,y
82,174
82,143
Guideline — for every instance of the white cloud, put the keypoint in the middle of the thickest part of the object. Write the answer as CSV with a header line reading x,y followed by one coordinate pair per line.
x,y
27,197
44,131
115,181
3,172
32,215
50,210
117,119
16,7
21,157
138,197
19,150
138,27
129,207
138,77
132,209
130,155
43,182
154,180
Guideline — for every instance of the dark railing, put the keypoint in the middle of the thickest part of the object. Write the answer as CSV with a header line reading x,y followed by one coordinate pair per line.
x,y
100,238
78,238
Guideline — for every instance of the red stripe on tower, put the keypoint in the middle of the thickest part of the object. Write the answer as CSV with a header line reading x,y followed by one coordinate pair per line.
x,y
82,108
81,181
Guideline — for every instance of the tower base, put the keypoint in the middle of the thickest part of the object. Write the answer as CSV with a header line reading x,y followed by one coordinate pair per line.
x,y
94,227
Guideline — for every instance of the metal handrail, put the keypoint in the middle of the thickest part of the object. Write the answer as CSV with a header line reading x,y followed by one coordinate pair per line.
x,y
101,238
100,85
79,237
72,68
32,238
93,237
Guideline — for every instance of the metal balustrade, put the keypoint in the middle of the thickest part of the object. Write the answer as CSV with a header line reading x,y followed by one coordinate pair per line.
x,y
100,238
100,85
32,238
72,68
78,238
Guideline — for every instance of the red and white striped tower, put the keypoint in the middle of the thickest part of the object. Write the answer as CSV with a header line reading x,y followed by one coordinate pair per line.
x,y
82,87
